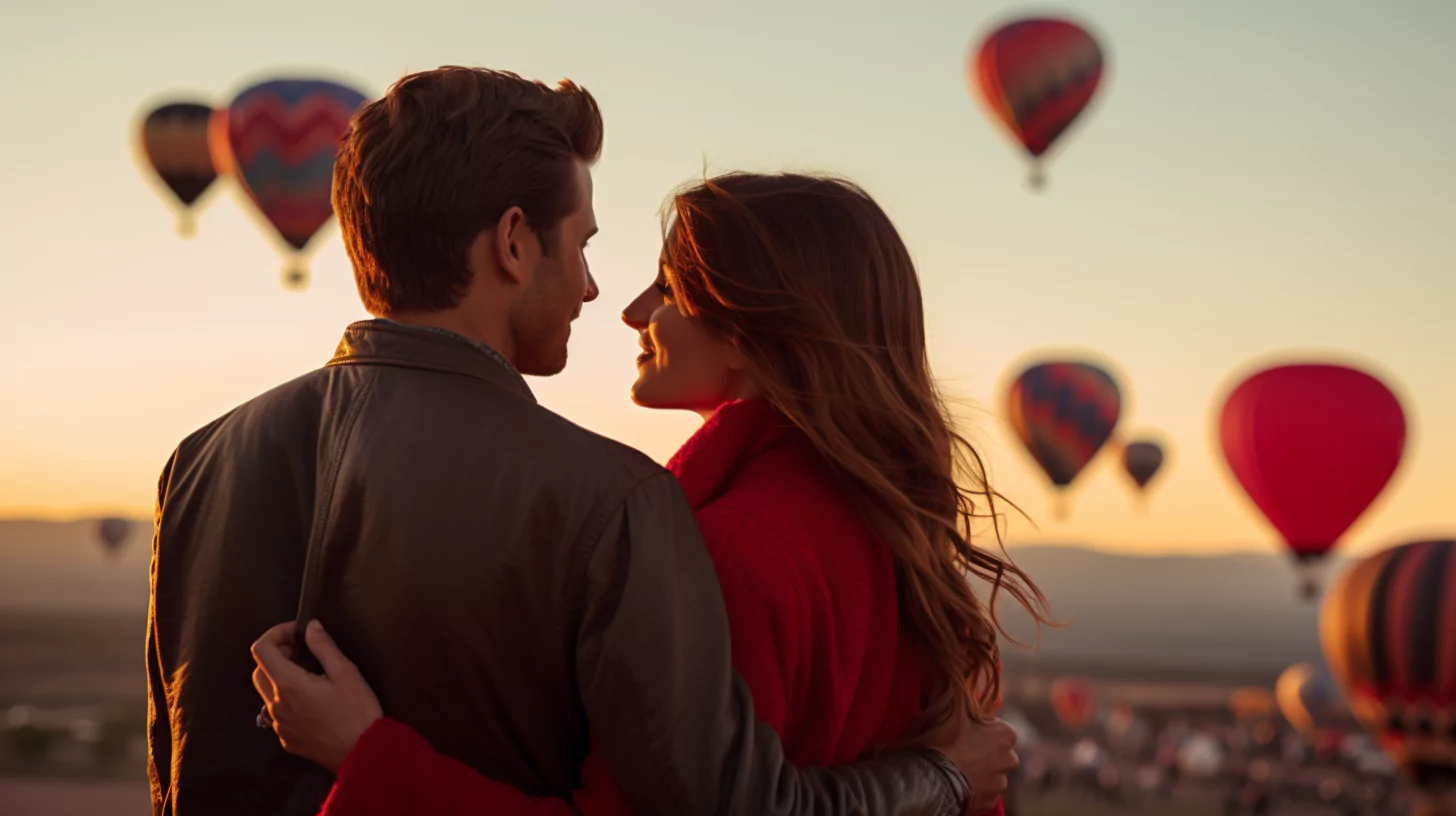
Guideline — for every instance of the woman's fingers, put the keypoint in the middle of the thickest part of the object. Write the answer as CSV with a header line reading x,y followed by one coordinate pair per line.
x,y
335,664
264,685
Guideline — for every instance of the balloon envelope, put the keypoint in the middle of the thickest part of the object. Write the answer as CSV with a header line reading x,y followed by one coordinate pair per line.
x,y
174,140
1036,76
1312,445
1142,460
282,137
1063,413
1307,697
112,533
1388,628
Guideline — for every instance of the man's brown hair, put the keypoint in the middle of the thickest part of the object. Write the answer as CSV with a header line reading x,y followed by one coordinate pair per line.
x,y
421,172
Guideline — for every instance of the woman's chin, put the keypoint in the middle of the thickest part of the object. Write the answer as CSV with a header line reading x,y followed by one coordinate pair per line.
x,y
641,397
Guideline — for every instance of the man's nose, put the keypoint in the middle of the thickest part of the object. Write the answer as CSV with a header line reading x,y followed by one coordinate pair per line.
x,y
591,289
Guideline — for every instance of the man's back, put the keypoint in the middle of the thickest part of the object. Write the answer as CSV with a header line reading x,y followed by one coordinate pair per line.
x,y
452,519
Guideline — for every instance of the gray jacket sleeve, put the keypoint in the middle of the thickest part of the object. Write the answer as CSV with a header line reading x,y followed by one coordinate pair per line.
x,y
674,720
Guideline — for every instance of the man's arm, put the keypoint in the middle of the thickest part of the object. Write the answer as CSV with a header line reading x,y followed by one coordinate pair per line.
x,y
674,720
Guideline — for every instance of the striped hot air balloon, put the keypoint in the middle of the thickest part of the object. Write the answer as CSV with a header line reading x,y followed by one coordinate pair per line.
x,y
280,138
1063,412
1388,628
1036,76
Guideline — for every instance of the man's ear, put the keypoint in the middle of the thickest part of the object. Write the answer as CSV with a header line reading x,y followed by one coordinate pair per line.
x,y
511,235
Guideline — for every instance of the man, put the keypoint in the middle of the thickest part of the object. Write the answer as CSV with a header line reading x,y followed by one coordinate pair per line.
x,y
507,581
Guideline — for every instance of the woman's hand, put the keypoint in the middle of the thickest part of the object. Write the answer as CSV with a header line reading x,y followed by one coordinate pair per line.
x,y
985,751
317,717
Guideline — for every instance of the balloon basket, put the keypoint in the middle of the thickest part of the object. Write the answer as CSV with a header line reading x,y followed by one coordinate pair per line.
x,y
1308,571
1140,502
1036,177
295,278
186,226
1061,507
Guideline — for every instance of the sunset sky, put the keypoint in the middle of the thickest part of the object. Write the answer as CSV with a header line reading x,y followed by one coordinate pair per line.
x,y
1255,181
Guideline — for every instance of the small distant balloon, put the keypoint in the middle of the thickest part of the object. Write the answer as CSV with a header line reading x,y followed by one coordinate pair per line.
x,y
1142,459
112,533
281,138
1063,412
1312,445
175,142
1036,76
1252,703
1388,628
1307,697
1075,702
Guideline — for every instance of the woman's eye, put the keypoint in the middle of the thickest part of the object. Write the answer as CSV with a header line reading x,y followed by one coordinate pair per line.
x,y
663,289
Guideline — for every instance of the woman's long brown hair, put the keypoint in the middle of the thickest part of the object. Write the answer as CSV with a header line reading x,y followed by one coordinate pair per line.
x,y
808,278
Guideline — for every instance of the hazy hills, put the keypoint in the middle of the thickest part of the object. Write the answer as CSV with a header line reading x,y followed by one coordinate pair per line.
x,y
1236,613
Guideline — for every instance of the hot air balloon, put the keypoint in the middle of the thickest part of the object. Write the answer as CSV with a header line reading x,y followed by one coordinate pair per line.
x,y
280,139
1312,445
174,141
1142,460
1252,703
1075,702
1307,698
1388,628
1063,412
1035,76
112,532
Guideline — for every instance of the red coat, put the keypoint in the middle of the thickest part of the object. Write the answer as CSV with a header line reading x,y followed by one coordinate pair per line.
x,y
811,602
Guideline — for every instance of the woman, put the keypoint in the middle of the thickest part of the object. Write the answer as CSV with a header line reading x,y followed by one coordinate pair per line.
x,y
786,311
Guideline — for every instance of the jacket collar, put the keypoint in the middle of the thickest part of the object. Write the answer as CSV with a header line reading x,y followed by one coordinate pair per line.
x,y
738,432
384,342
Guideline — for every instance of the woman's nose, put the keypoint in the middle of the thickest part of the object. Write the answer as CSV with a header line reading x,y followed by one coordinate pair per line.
x,y
639,312
633,322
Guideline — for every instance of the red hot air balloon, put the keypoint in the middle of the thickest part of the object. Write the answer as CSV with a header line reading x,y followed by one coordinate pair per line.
x,y
280,139
1388,628
1036,76
1063,412
1312,445
174,141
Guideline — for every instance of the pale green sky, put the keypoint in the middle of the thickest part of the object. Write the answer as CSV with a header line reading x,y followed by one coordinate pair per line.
x,y
1255,178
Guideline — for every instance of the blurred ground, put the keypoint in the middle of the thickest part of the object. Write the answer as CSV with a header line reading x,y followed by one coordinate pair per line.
x,y
50,797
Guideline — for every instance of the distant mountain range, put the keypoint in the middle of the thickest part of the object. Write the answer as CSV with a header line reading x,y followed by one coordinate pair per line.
x,y
1233,614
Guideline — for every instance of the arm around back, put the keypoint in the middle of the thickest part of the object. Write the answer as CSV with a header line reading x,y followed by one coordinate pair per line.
x,y
674,721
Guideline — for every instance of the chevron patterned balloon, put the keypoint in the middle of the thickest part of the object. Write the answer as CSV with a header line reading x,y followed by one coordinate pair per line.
x,y
281,137
1064,412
